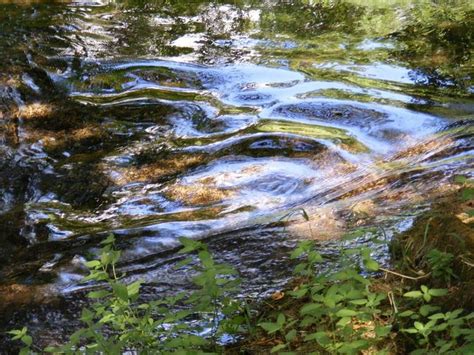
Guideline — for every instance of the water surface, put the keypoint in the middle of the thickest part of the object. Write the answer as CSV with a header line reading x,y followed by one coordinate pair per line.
x,y
220,121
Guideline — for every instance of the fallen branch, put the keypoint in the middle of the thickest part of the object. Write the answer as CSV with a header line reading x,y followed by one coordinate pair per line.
x,y
405,276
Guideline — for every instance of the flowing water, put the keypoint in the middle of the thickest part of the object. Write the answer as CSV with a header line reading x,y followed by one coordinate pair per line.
x,y
221,121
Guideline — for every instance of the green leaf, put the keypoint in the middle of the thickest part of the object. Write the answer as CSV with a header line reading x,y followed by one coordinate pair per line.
x,y
418,325
445,348
120,291
467,194
190,245
441,327
355,345
321,337
183,262
427,309
278,348
115,256
456,313
95,276
281,319
107,318
413,294
437,316
382,331
290,335
315,258
98,294
52,349
343,321
300,268
298,293
307,321
206,259
437,292
86,315
371,264
359,302
27,340
346,313
105,258
270,327
407,313
93,264
134,288
310,308
297,253
17,333
109,240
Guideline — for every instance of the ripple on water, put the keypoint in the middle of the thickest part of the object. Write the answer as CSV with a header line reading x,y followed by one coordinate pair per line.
x,y
209,149
126,130
382,128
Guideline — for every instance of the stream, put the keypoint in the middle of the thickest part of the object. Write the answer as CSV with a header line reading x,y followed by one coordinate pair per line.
x,y
250,125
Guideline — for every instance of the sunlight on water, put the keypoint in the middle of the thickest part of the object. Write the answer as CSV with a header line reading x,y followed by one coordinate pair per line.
x,y
221,122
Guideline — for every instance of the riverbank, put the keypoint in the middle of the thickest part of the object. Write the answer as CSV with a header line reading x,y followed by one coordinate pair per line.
x,y
423,303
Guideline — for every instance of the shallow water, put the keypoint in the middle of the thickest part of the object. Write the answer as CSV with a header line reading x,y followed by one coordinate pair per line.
x,y
221,122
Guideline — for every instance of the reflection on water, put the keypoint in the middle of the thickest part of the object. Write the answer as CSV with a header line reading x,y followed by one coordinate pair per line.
x,y
219,121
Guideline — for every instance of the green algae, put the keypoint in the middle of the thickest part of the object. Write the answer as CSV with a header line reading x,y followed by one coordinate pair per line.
x,y
336,135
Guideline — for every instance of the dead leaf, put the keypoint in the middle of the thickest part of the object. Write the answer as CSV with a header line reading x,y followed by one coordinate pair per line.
x,y
278,296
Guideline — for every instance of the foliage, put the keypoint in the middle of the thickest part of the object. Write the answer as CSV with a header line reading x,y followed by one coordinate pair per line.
x,y
21,334
345,310
467,187
341,311
337,309
441,264
118,322
437,332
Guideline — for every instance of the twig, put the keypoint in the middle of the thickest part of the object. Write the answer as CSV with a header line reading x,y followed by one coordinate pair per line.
x,y
405,276
466,262
391,298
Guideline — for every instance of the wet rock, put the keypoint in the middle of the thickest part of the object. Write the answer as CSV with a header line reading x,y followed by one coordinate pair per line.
x,y
277,145
10,100
21,295
35,111
168,77
196,194
81,185
323,224
167,166
363,208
